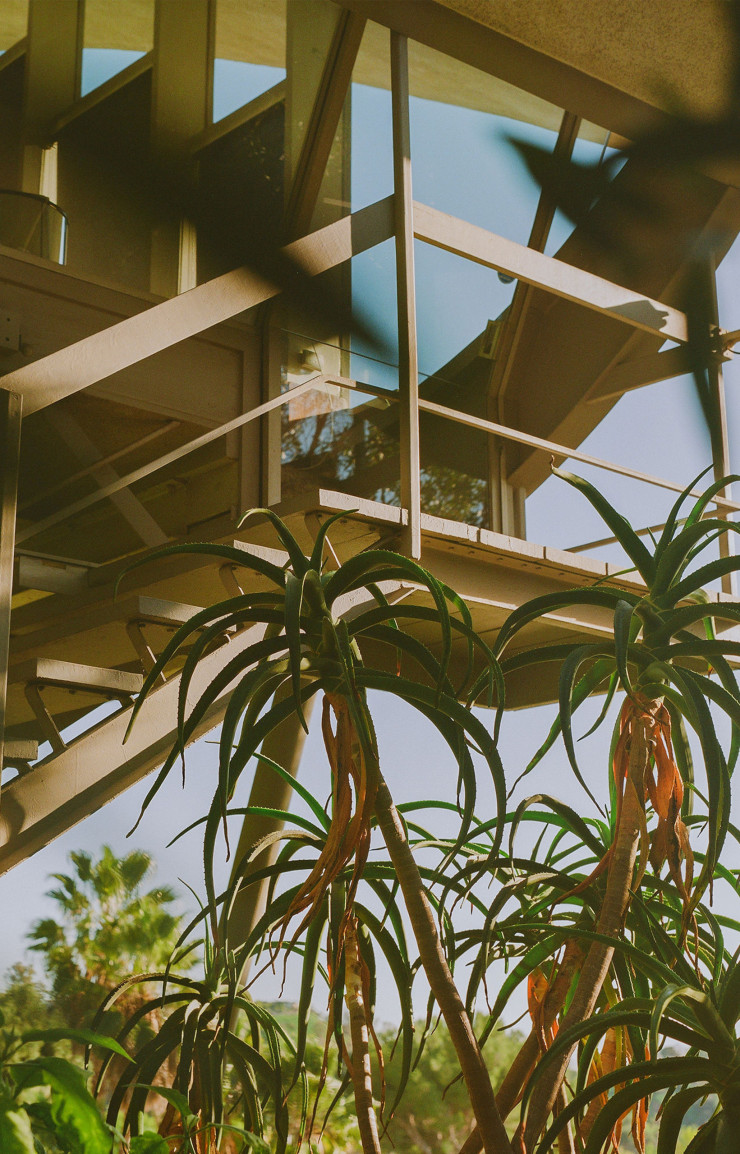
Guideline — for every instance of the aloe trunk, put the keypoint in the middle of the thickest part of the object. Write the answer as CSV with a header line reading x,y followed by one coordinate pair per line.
x,y
490,1124
510,1090
362,1079
610,924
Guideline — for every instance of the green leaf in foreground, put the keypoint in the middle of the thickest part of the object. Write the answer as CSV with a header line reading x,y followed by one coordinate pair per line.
x,y
76,1117
15,1131
149,1144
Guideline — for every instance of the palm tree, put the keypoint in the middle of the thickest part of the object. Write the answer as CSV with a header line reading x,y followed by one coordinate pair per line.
x,y
108,926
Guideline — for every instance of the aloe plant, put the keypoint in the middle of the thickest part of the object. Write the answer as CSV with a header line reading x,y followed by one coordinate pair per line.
x,y
202,1031
665,670
309,649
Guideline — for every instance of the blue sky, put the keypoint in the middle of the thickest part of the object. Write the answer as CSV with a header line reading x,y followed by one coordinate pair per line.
x,y
462,165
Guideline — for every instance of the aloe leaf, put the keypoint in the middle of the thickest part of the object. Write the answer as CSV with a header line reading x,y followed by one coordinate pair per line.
x,y
294,590
705,575
228,552
672,1117
317,553
400,971
551,602
671,520
707,495
623,1100
298,560
623,637
637,552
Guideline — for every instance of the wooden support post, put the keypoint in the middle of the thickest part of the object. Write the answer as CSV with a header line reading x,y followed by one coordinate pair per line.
x,y
285,746
11,405
52,83
720,439
408,370
182,99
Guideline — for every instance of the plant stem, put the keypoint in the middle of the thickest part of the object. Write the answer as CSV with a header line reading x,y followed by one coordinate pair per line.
x,y
361,1071
510,1089
494,1137
611,920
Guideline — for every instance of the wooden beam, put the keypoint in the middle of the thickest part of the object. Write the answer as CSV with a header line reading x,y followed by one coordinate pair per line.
x,y
637,373
555,276
408,368
324,121
51,77
561,451
111,488
471,40
182,103
87,453
64,789
501,495
10,440
93,359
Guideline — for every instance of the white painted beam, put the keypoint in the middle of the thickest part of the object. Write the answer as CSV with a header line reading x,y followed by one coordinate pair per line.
x,y
94,358
546,272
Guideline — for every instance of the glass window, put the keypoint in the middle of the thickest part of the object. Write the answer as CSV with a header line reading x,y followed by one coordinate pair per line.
x,y
334,436
249,53
13,22
115,35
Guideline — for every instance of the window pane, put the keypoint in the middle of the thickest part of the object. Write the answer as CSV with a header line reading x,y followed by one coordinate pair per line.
x,y
115,36
13,22
250,52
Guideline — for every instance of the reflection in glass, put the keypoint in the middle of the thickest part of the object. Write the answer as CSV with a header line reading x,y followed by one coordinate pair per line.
x,y
115,35
249,52
334,436
241,180
31,223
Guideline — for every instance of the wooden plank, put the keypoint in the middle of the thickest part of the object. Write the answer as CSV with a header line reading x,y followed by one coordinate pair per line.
x,y
546,272
71,675
88,361
11,406
408,368
637,373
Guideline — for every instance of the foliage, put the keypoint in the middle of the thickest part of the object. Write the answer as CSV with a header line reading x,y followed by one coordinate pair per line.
x,y
598,921
45,1104
305,648
108,927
